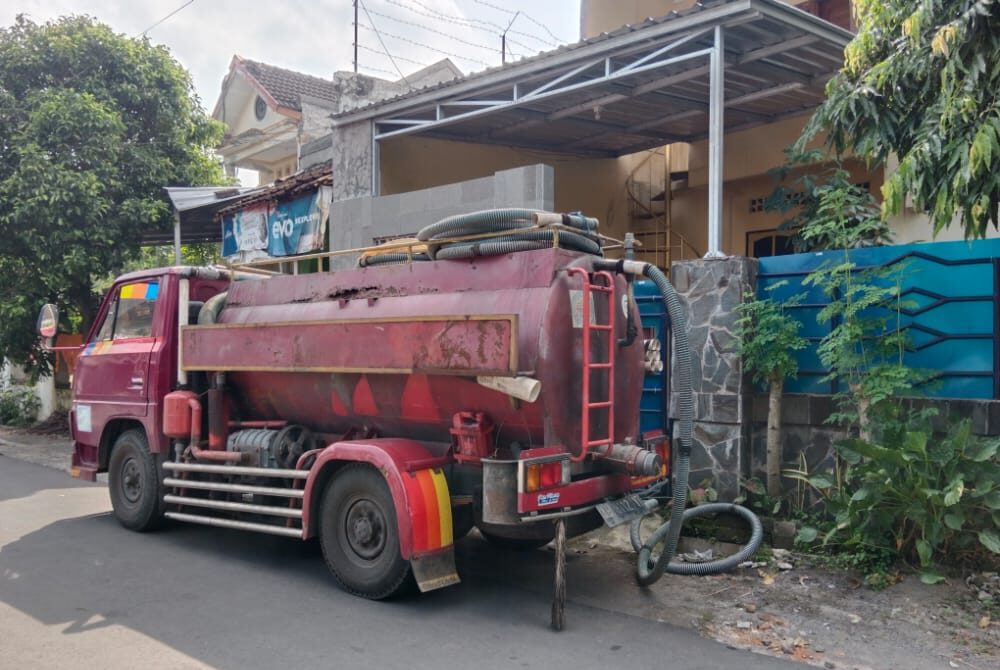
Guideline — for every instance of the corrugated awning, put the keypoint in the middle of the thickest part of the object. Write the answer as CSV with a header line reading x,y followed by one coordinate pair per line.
x,y
639,87
196,207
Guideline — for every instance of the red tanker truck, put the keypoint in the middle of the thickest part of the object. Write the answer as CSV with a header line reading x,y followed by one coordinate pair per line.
x,y
386,409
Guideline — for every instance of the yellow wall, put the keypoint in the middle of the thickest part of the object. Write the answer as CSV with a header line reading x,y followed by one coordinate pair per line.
x,y
596,186
591,185
747,152
597,16
690,208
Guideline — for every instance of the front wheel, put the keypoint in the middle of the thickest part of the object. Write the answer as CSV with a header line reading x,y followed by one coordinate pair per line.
x,y
134,482
359,534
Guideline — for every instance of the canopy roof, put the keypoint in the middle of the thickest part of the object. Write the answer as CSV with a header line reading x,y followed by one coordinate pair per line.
x,y
638,87
195,207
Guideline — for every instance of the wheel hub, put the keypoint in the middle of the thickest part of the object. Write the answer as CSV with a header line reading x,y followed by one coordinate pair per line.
x,y
131,480
365,529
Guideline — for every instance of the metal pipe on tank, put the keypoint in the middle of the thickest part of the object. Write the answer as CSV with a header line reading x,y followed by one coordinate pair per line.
x,y
218,415
203,454
522,388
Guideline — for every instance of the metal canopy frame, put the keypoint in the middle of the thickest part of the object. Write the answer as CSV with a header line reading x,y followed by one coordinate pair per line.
x,y
686,77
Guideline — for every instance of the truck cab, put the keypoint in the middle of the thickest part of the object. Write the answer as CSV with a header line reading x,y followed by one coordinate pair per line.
x,y
128,361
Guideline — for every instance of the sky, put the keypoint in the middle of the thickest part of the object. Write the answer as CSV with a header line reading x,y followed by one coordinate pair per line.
x,y
315,36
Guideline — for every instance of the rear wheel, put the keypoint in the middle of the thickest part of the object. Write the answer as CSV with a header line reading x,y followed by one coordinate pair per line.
x,y
359,534
134,482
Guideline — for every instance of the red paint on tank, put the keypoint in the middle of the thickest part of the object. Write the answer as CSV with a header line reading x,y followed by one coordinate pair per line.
x,y
532,287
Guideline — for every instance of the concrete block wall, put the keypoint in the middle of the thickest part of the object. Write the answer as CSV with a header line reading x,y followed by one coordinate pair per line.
x,y
808,439
356,222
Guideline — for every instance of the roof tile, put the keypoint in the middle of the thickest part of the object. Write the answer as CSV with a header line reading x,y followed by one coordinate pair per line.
x,y
287,86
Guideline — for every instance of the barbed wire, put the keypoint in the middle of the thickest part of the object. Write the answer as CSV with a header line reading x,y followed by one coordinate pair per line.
x,y
436,32
382,42
376,69
427,46
468,22
527,16
397,57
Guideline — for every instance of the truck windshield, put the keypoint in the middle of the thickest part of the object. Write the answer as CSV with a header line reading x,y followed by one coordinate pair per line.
x,y
131,313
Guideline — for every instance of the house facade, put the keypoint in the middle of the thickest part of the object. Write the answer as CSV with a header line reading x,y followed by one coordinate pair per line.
x,y
278,120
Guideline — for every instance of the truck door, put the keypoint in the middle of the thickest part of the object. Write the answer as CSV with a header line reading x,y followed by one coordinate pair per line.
x,y
112,372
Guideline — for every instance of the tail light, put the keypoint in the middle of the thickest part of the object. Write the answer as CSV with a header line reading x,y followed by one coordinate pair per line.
x,y
543,474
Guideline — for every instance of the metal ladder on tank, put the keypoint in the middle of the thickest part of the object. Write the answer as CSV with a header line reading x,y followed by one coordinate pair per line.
x,y
590,365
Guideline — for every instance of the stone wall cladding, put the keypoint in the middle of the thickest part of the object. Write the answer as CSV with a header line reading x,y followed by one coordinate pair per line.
x,y
711,290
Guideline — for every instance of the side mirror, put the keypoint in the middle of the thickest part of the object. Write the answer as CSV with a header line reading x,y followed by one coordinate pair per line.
x,y
48,323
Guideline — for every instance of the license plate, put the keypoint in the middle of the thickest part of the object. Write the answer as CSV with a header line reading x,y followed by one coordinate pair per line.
x,y
622,510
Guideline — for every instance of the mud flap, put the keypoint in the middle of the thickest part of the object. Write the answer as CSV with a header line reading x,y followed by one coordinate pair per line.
x,y
436,570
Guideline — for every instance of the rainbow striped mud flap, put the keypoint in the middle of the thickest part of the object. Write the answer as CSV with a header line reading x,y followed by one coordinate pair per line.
x,y
433,554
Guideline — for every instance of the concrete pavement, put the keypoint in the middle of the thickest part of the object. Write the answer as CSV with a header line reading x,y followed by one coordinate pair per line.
x,y
77,590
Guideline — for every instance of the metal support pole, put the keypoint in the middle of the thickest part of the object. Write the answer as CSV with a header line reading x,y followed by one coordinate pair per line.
x,y
558,620
177,237
376,185
716,111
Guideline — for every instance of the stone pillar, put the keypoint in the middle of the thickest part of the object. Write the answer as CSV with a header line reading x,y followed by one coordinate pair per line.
x,y
711,290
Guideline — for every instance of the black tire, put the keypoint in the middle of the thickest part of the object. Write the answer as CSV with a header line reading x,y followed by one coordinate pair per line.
x,y
135,483
359,534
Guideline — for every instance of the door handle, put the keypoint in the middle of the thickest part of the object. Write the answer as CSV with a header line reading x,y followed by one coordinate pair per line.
x,y
136,381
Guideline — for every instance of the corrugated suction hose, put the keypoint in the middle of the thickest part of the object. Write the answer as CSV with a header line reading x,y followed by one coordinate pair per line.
x,y
649,570
509,224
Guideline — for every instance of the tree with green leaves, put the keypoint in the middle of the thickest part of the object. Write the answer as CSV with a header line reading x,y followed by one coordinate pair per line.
x,y
769,337
920,82
93,125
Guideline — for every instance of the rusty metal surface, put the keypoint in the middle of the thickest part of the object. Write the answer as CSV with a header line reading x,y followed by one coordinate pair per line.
x,y
534,286
445,345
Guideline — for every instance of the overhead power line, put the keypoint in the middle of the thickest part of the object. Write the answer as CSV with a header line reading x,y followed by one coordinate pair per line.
x,y
382,42
143,33
397,57
435,31
429,47
469,22
527,16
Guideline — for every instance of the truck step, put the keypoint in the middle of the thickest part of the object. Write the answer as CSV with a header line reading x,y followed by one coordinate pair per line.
x,y
235,470
241,525
290,512
233,488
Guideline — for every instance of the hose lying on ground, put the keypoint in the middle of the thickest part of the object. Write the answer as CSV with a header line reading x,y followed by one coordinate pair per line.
x,y
649,570
516,230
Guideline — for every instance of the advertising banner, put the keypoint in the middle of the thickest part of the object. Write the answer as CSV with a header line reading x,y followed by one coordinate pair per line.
x,y
244,233
277,229
296,226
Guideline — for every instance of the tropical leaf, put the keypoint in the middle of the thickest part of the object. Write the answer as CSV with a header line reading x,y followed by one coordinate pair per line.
x,y
990,539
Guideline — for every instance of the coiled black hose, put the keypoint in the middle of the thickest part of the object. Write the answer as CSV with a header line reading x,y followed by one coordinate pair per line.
x,y
648,570
507,223
392,258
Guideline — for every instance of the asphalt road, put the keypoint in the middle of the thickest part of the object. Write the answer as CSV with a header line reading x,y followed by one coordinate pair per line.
x,y
79,591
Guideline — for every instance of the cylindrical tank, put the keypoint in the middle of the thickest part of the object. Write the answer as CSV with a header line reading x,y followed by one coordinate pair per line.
x,y
536,286
177,413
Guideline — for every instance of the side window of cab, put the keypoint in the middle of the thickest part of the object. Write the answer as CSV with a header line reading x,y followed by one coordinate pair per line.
x,y
130,314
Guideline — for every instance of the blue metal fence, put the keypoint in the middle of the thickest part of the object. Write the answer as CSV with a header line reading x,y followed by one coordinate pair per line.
x,y
954,288
655,323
